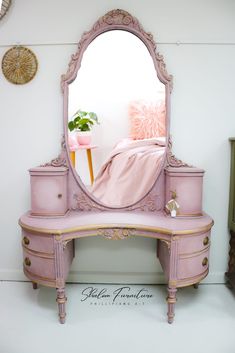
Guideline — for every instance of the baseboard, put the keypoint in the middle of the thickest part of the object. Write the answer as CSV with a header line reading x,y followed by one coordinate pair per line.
x,y
116,277
12,275
111,277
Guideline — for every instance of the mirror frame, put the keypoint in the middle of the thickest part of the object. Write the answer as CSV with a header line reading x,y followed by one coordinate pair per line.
x,y
114,20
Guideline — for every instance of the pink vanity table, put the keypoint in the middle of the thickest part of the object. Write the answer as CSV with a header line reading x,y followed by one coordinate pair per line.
x,y
62,209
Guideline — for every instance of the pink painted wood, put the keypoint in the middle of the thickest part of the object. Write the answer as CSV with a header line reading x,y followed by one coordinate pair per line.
x,y
114,20
48,231
186,183
182,249
49,190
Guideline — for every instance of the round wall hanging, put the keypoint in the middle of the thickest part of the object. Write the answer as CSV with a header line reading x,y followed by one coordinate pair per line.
x,y
19,65
5,6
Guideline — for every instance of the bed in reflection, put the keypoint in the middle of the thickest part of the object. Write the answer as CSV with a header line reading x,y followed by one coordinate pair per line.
x,y
135,162
131,168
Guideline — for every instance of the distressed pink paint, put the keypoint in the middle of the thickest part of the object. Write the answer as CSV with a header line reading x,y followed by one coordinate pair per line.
x,y
62,209
49,190
187,184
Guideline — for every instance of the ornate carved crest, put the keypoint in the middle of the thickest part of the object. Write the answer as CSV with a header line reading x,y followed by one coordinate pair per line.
x,y
115,19
172,160
151,203
116,233
82,202
61,160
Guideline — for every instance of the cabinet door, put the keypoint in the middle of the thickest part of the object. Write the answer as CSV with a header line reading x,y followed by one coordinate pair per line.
x,y
48,195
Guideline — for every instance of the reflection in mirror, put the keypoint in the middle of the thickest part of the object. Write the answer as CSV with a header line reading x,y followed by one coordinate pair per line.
x,y
120,102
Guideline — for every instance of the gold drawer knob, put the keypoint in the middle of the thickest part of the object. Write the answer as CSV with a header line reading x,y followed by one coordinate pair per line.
x,y
205,261
59,196
206,241
26,241
27,261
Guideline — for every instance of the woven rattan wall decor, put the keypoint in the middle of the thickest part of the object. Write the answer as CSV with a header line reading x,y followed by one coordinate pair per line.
x,y
19,65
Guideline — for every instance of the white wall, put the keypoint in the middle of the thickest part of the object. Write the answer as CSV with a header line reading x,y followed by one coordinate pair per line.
x,y
203,108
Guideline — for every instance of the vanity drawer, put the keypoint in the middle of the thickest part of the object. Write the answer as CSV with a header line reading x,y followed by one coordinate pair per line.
x,y
192,265
39,265
38,242
194,243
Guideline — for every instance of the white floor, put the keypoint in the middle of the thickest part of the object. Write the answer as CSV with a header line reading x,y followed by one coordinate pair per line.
x,y
204,321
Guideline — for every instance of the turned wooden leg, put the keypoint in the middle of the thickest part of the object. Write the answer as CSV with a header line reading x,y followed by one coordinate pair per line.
x,y
196,285
171,300
61,300
35,285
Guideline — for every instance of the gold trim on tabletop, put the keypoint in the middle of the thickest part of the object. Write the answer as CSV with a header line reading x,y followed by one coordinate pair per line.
x,y
105,226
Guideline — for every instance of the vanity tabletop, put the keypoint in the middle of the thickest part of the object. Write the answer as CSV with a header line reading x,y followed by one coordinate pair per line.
x,y
80,220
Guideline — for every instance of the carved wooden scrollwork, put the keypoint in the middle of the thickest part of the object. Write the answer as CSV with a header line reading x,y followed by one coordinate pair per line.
x,y
61,160
114,19
151,203
168,244
82,202
172,160
116,233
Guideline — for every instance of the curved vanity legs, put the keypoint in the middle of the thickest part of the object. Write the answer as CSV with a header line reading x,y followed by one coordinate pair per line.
x,y
61,300
196,285
171,300
35,285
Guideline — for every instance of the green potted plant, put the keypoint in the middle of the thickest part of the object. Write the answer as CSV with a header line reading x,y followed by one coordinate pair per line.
x,y
82,123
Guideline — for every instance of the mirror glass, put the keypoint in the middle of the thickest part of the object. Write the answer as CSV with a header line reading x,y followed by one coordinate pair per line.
x,y
117,119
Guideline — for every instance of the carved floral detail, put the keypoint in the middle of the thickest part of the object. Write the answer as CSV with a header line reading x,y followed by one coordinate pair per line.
x,y
113,18
83,203
168,244
116,233
172,160
58,237
150,203
117,17
61,160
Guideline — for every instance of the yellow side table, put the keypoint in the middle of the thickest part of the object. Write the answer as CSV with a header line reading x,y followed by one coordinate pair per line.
x,y
88,149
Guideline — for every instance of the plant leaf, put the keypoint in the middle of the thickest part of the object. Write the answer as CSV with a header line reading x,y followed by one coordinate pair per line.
x,y
85,127
71,126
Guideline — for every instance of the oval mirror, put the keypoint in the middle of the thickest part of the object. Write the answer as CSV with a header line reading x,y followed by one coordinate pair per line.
x,y
117,119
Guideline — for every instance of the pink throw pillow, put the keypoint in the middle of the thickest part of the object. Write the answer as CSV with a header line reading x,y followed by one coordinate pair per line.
x,y
147,120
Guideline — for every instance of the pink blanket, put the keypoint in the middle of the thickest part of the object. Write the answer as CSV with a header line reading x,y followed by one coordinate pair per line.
x,y
129,172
